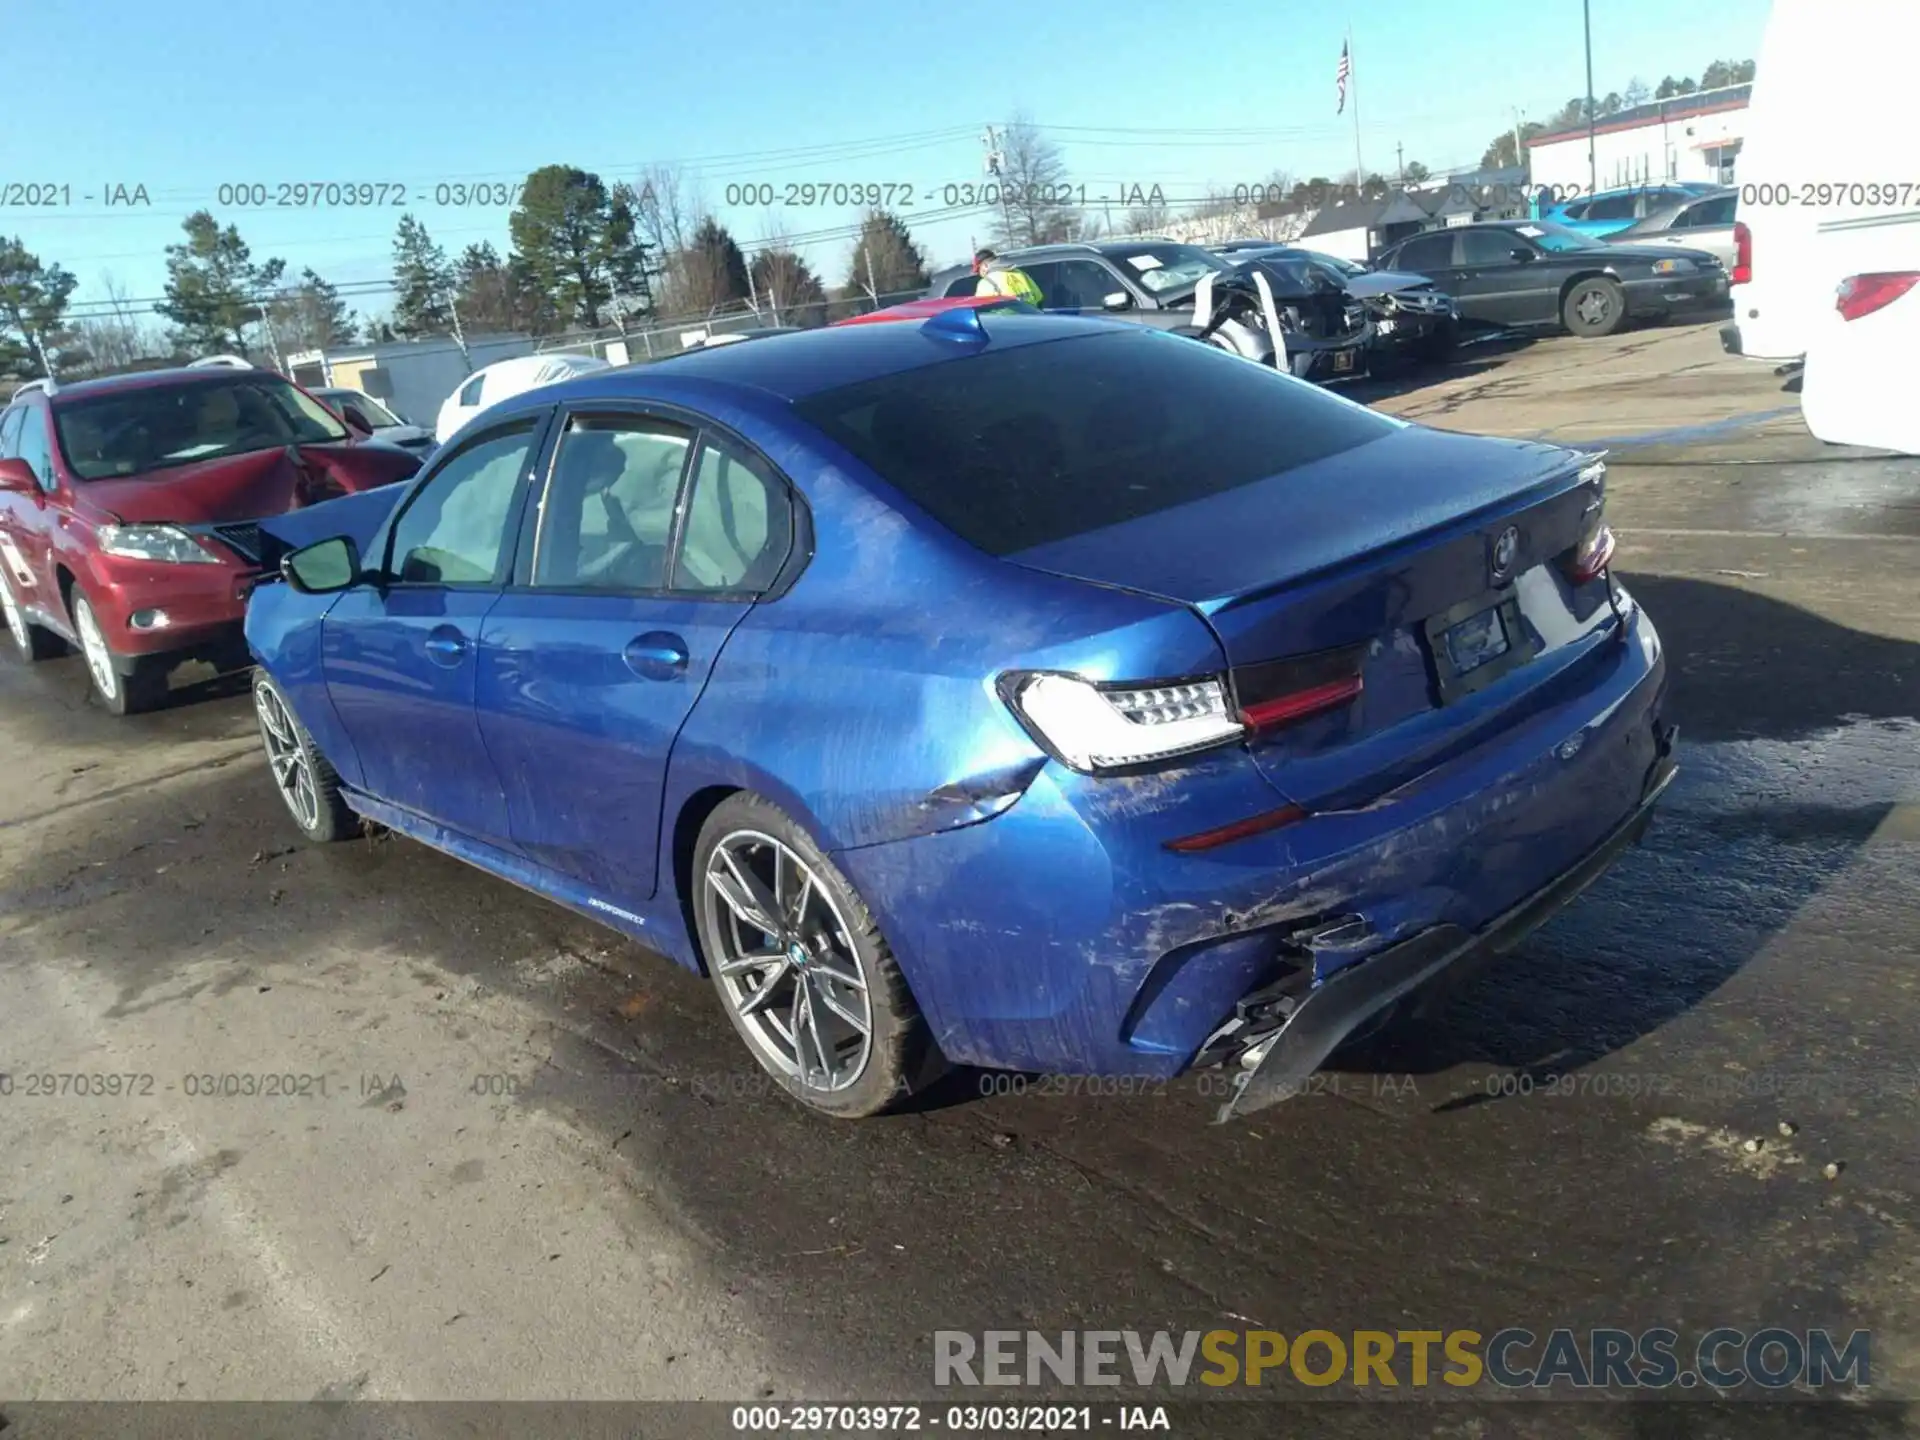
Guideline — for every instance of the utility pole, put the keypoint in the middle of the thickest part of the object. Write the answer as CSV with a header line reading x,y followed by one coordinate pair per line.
x,y
459,335
994,165
1400,161
1519,154
1593,167
1353,89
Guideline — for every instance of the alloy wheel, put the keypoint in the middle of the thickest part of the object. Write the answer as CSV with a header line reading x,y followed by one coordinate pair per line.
x,y
93,644
288,758
786,961
1594,307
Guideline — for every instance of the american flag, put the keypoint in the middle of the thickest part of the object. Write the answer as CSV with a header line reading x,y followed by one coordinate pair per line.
x,y
1340,77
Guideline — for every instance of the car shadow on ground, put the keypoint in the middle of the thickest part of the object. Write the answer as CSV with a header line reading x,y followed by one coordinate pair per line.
x,y
1678,916
1480,356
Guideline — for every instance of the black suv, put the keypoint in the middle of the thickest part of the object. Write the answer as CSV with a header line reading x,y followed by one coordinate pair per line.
x,y
1152,280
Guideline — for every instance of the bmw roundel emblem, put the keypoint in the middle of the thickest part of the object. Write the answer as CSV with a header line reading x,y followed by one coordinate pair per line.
x,y
1506,550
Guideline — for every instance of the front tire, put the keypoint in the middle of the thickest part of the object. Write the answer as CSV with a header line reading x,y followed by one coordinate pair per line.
x,y
144,689
801,967
30,641
306,782
1594,307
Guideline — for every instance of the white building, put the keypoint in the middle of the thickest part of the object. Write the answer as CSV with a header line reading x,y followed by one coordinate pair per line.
x,y
1690,137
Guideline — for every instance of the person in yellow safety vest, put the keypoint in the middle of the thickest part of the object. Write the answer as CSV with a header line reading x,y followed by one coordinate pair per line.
x,y
998,279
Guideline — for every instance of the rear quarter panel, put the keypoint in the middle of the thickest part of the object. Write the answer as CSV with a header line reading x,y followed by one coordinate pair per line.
x,y
863,701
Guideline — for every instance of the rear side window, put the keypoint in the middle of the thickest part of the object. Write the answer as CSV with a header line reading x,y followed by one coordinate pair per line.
x,y
1612,207
607,520
1042,442
1425,252
470,392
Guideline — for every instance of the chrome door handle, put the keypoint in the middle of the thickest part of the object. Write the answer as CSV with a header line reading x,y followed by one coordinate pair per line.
x,y
446,646
657,655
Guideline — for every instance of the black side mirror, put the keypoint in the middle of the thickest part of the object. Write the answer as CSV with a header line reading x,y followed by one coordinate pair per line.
x,y
1521,254
356,422
323,567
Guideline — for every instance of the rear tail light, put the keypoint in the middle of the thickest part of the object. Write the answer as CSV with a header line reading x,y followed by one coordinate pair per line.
x,y
1094,728
1863,294
1742,253
1591,554
1100,728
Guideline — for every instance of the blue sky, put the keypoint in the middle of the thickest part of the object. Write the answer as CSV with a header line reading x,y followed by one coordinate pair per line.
x,y
188,95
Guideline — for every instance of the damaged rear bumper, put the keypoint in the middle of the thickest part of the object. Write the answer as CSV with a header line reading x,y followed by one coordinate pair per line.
x,y
1278,1066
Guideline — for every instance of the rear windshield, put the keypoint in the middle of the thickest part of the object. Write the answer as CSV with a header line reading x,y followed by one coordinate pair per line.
x,y
1042,442
154,427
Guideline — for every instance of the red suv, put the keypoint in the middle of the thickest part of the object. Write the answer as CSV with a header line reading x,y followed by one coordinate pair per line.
x,y
128,509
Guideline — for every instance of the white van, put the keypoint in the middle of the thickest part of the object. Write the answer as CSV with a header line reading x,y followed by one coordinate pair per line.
x,y
1827,184
493,383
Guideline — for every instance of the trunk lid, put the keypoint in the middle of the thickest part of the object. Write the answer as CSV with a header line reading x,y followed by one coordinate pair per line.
x,y
1358,565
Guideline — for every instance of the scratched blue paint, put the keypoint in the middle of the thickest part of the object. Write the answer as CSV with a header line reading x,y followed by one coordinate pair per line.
x,y
1036,912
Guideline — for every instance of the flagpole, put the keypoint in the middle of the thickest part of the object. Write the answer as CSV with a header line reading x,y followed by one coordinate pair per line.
x,y
1353,92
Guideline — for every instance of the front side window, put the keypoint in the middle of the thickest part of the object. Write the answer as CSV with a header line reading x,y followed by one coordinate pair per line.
x,y
1488,247
10,432
33,447
454,530
156,427
607,519
1014,448
739,522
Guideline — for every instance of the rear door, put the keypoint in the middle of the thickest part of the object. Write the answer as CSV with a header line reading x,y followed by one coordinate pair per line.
x,y
653,538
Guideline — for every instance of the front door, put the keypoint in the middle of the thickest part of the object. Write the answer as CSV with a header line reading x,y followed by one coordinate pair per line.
x,y
399,652
592,661
1505,290
27,521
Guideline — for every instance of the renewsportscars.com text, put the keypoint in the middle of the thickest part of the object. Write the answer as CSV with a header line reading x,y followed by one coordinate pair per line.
x,y
1771,1358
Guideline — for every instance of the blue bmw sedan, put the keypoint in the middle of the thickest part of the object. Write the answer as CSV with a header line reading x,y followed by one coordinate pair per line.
x,y
1006,690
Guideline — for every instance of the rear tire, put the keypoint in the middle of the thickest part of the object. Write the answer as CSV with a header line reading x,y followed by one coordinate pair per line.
x,y
121,694
31,642
1594,307
306,782
823,968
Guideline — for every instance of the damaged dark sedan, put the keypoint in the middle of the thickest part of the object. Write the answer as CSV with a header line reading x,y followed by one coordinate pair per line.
x,y
1014,690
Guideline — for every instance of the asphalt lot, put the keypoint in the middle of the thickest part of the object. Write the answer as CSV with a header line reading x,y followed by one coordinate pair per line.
x,y
543,1168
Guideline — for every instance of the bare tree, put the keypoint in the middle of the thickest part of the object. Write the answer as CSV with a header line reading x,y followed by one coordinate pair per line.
x,y
669,209
116,338
1035,196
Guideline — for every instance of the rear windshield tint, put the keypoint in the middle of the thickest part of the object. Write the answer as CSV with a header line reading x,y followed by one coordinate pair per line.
x,y
1043,442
